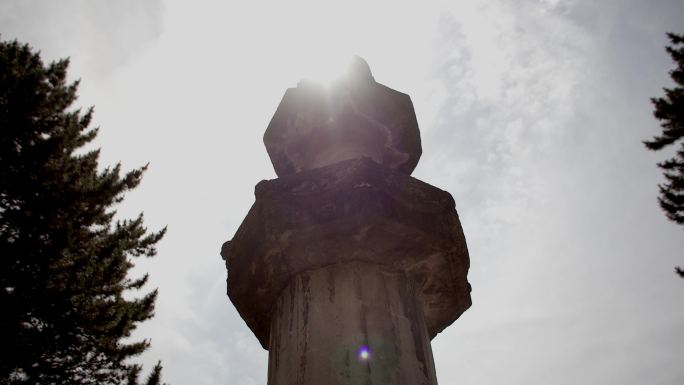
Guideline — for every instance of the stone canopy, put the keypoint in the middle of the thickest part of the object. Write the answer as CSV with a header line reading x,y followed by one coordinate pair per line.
x,y
356,117
354,210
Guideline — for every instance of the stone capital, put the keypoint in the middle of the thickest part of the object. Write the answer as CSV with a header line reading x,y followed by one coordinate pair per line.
x,y
354,210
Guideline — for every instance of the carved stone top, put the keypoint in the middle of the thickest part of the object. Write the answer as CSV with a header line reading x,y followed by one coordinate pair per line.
x,y
359,70
315,126
355,210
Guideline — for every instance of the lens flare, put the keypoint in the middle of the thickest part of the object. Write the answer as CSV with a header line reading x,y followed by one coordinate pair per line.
x,y
364,353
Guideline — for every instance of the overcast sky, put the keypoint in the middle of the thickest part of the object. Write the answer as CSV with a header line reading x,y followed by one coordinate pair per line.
x,y
531,112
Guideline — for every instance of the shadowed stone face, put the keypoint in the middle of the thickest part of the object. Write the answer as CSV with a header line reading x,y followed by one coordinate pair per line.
x,y
354,210
316,126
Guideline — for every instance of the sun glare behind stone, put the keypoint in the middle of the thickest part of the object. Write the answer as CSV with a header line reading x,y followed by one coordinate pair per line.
x,y
326,69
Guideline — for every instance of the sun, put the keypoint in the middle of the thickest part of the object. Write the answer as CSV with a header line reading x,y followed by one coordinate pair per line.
x,y
326,67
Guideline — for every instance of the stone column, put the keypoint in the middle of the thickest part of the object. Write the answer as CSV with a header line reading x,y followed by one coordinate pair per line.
x,y
352,323
345,266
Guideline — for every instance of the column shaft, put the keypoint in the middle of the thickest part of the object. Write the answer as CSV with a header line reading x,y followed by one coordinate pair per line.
x,y
352,323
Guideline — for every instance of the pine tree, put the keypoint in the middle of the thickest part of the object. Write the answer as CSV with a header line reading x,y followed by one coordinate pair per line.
x,y
64,259
669,110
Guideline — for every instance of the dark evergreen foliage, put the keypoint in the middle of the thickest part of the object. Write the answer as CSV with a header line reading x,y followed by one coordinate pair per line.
x,y
64,260
669,110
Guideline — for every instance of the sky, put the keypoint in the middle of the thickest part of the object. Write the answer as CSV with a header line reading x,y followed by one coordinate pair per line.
x,y
531,113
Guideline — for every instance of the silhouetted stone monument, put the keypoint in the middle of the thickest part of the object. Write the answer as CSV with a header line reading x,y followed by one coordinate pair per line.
x,y
346,267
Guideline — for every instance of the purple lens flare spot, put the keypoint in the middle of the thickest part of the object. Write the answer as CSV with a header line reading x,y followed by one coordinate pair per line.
x,y
364,353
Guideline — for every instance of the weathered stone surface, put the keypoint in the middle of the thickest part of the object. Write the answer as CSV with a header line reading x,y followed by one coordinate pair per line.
x,y
316,126
354,210
325,320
